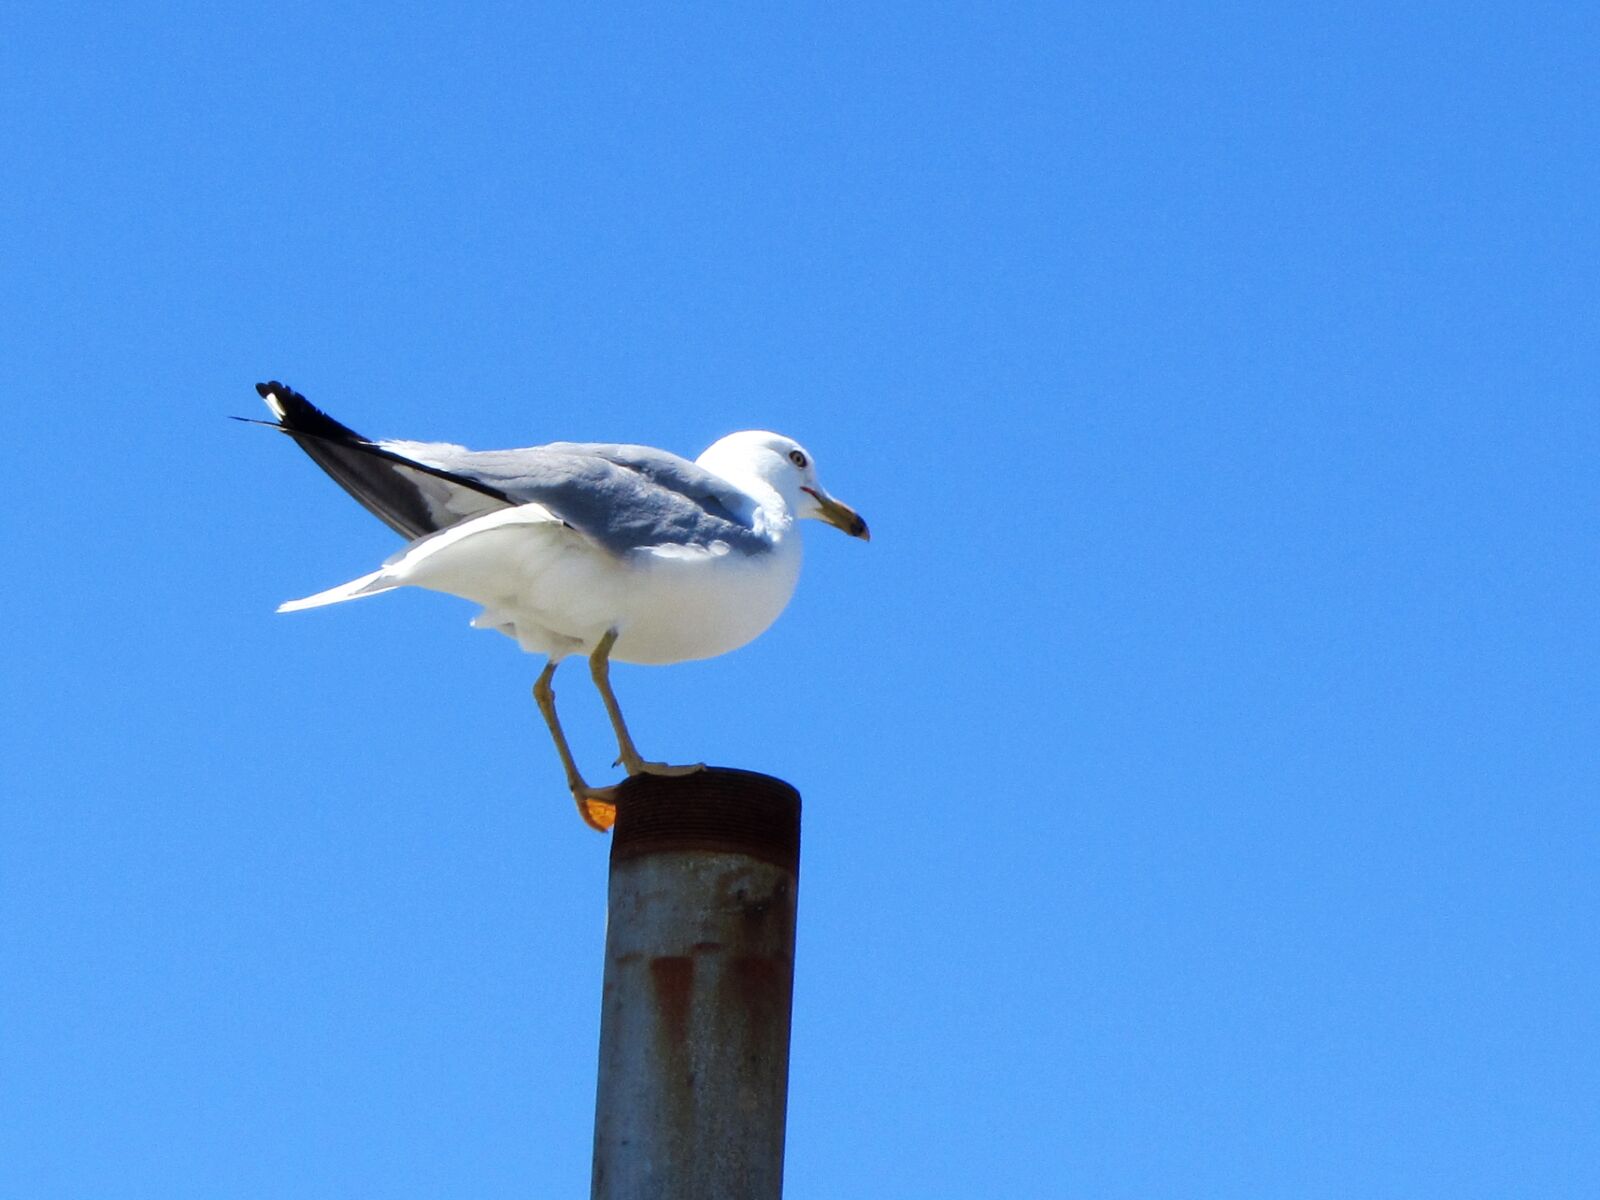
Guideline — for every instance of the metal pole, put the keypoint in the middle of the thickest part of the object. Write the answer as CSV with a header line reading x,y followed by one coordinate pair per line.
x,y
699,973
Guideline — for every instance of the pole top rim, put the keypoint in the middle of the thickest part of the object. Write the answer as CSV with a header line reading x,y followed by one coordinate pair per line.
x,y
718,810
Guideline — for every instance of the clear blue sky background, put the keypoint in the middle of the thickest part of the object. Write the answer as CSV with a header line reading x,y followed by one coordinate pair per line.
x,y
1201,762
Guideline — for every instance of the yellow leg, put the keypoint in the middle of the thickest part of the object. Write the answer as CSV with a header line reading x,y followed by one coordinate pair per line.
x,y
629,757
597,806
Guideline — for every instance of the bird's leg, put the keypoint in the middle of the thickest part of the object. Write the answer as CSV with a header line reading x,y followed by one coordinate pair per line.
x,y
600,668
597,806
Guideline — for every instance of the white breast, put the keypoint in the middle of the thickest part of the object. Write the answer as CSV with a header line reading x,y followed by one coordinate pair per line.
x,y
702,605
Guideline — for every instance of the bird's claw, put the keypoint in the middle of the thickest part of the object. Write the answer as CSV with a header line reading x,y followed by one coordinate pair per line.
x,y
644,767
597,807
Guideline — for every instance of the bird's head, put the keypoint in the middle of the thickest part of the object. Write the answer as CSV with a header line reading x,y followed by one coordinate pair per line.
x,y
785,466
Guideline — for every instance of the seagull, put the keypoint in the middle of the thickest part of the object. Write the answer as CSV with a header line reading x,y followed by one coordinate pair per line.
x,y
612,551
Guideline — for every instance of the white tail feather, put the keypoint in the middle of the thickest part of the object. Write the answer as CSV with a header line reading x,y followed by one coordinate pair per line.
x,y
367,585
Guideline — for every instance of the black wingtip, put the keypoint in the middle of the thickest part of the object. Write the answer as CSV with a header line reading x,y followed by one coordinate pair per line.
x,y
296,414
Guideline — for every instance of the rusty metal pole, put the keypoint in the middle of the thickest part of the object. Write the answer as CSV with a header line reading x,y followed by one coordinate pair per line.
x,y
699,973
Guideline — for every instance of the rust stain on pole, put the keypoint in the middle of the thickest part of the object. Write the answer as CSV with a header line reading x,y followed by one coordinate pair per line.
x,y
671,982
760,984
699,977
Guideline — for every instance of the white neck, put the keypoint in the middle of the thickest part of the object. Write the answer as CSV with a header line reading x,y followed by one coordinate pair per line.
x,y
770,513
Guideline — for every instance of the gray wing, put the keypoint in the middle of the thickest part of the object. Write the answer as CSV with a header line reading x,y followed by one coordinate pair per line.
x,y
623,497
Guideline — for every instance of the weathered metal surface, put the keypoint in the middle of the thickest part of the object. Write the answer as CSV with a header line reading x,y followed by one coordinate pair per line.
x,y
740,812
699,974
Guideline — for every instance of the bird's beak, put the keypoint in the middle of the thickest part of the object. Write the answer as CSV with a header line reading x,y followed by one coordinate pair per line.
x,y
840,516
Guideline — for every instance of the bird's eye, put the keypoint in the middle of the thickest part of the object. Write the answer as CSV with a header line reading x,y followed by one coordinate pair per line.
x,y
798,458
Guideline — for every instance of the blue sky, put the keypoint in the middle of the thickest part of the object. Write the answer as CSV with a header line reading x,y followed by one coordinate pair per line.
x,y
1200,763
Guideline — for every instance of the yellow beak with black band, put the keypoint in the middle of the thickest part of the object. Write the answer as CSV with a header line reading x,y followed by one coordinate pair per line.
x,y
840,516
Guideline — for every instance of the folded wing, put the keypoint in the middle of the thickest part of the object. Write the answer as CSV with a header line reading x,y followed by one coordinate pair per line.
x,y
623,498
